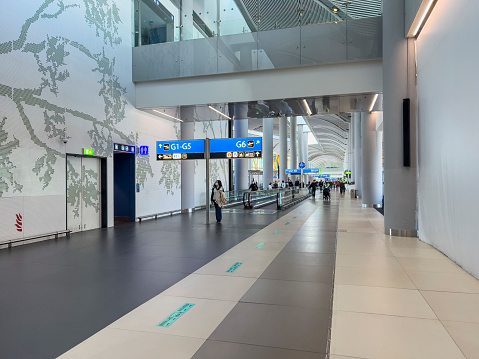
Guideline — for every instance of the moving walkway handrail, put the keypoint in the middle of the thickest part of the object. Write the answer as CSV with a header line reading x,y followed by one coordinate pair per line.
x,y
290,197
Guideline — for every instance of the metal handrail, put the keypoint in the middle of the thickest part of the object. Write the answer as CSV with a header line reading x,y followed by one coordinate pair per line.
x,y
24,239
290,197
156,215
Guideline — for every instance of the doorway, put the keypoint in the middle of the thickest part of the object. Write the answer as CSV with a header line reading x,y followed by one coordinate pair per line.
x,y
86,188
124,190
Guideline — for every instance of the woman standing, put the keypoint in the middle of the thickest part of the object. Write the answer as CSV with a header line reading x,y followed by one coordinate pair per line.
x,y
215,199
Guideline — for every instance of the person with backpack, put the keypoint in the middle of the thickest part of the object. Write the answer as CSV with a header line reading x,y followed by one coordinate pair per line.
x,y
253,186
313,187
218,198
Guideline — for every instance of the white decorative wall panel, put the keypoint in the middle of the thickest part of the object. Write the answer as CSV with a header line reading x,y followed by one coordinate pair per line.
x,y
65,71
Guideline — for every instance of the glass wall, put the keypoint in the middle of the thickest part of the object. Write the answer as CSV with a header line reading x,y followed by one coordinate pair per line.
x,y
158,21
201,37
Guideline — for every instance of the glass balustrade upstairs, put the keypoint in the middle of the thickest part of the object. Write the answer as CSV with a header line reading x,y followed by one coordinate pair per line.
x,y
182,38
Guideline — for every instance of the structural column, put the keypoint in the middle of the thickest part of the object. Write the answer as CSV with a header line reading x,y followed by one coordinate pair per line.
x,y
351,152
267,152
357,152
400,182
188,166
300,144
241,131
293,143
305,149
283,148
372,191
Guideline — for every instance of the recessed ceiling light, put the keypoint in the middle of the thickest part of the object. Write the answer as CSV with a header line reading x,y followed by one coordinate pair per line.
x,y
221,113
165,114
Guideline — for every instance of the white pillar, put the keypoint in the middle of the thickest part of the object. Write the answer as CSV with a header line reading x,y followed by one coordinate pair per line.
x,y
400,183
293,143
300,144
267,152
187,166
351,151
240,131
283,148
372,193
306,149
357,152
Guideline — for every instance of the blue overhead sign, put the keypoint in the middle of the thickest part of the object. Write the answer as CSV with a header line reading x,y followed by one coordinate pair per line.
x,y
251,147
180,150
306,171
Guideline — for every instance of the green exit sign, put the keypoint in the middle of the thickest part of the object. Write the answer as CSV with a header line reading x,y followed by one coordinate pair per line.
x,y
88,152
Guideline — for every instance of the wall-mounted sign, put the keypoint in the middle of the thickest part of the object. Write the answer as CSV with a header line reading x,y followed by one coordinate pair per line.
x,y
144,150
88,152
180,150
118,147
251,147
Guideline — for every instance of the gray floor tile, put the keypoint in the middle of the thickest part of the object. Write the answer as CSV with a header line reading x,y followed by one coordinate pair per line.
x,y
276,326
311,247
212,349
298,272
304,258
291,293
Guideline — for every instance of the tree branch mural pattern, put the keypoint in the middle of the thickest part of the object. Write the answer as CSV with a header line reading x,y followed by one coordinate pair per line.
x,y
55,58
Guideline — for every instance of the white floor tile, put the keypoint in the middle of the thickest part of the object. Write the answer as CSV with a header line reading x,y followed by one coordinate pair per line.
x,y
417,253
378,262
211,287
377,300
382,336
251,267
429,265
460,307
466,336
445,282
124,344
373,277
198,322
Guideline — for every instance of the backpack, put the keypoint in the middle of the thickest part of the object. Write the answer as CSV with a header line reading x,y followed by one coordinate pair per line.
x,y
222,199
255,187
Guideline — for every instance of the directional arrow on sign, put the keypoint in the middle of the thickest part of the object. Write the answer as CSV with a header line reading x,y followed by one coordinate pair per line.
x,y
160,145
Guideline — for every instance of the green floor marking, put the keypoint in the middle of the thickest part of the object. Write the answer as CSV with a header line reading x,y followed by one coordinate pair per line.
x,y
286,223
176,315
261,245
277,232
234,267
295,217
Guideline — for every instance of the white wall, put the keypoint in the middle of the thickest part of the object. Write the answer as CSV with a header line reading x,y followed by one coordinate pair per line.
x,y
448,79
69,73
322,80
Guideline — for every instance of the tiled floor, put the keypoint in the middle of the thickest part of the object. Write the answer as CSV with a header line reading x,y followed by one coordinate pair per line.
x,y
276,304
398,297
393,297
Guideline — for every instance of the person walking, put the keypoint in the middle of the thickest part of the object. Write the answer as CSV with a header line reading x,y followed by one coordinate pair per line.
x,y
217,195
253,186
313,188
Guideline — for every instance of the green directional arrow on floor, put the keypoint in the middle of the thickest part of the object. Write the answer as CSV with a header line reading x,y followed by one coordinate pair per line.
x,y
261,245
286,223
277,232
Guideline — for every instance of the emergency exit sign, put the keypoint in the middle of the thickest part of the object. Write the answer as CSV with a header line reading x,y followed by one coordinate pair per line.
x,y
88,152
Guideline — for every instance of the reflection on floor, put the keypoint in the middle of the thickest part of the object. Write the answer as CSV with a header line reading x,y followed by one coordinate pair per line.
x,y
56,294
267,297
255,286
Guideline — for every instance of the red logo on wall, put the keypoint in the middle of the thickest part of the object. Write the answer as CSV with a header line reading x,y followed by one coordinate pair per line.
x,y
19,223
